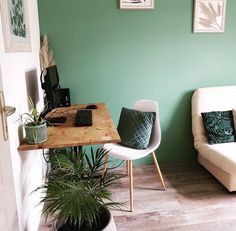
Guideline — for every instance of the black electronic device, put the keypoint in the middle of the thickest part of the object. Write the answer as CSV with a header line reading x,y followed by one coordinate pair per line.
x,y
65,97
50,84
91,106
56,121
83,118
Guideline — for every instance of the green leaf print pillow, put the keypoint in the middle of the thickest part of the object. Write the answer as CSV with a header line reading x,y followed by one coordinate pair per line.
x,y
219,126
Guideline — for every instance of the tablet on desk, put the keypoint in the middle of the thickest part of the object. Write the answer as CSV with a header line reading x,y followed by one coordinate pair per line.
x,y
83,118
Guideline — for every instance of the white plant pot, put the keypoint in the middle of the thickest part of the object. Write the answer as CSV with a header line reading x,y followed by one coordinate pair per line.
x,y
110,226
36,134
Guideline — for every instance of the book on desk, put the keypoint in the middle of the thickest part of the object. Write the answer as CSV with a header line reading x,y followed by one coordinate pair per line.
x,y
83,118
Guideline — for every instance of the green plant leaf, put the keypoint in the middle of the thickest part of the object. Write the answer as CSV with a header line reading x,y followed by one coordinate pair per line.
x,y
76,189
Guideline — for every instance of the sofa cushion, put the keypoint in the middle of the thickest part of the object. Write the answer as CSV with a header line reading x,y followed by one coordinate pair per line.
x,y
219,126
221,155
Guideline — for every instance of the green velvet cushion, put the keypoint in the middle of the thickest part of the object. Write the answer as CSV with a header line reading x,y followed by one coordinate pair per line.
x,y
135,128
219,126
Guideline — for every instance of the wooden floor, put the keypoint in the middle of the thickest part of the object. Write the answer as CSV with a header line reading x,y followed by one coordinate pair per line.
x,y
193,200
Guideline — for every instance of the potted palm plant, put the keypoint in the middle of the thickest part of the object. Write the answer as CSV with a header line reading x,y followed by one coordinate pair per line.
x,y
76,192
35,126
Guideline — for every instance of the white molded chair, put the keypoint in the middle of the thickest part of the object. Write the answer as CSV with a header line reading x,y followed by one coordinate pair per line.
x,y
125,153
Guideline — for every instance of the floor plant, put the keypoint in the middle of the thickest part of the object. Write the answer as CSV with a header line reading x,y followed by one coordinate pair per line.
x,y
76,192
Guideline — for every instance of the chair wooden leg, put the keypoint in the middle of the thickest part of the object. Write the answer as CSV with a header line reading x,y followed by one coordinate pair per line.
x,y
127,167
158,169
105,164
131,184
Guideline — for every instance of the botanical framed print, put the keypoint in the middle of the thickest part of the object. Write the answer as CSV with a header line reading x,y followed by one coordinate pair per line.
x,y
15,23
209,16
137,4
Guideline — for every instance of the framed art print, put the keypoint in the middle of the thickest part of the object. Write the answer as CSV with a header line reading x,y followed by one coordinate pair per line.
x,y
137,4
209,16
15,23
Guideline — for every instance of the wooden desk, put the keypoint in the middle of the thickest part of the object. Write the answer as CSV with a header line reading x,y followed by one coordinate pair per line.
x,y
67,135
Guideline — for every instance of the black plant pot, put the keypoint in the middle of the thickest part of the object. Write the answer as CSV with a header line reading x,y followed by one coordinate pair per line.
x,y
105,222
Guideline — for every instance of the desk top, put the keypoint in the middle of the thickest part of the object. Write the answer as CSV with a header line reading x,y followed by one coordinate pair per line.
x,y
67,135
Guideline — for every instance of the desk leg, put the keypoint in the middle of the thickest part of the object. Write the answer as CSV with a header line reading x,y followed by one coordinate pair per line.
x,y
78,150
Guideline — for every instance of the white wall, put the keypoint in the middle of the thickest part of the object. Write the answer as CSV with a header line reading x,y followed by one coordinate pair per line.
x,y
20,73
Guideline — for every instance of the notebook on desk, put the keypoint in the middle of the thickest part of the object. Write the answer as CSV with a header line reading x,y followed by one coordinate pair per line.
x,y
83,118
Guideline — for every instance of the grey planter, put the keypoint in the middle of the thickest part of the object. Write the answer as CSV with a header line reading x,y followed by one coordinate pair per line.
x,y
36,134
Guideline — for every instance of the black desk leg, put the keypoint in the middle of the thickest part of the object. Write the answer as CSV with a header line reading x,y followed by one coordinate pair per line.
x,y
78,150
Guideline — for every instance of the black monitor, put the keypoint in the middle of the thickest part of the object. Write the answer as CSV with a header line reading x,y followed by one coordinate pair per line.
x,y
50,84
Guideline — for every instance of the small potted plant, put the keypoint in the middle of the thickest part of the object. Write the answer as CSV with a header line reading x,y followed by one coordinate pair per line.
x,y
35,126
76,192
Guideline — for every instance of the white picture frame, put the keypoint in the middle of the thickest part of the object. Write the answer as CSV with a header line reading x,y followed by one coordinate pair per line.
x,y
137,4
209,16
15,25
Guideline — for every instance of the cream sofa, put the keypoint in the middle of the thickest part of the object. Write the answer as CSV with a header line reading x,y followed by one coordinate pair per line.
x,y
218,159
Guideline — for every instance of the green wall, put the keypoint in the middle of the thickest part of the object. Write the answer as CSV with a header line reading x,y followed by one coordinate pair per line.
x,y
118,56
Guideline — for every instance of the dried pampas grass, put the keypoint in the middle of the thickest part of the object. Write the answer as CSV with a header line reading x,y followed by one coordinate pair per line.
x,y
46,54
